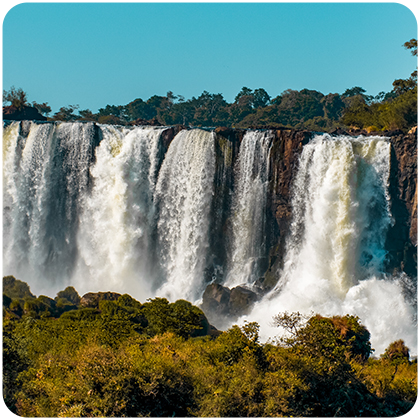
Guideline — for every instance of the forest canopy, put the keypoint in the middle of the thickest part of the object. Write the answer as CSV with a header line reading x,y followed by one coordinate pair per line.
x,y
108,355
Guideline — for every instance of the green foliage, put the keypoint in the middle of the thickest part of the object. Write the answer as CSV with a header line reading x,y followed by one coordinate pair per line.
x,y
338,338
397,113
411,45
180,317
16,97
397,352
16,289
305,109
87,115
122,358
70,294
66,113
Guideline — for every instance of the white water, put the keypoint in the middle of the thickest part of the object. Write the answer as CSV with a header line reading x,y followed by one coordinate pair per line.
x,y
335,253
184,194
121,216
248,212
116,225
45,175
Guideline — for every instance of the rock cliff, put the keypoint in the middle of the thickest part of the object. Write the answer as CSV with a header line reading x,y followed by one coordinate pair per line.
x,y
402,237
401,242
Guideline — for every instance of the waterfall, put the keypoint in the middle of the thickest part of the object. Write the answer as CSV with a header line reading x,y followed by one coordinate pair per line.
x,y
78,205
184,193
46,171
104,207
248,210
340,212
336,248
115,238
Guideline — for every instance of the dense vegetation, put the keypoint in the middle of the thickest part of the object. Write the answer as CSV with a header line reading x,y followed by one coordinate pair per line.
x,y
109,355
305,109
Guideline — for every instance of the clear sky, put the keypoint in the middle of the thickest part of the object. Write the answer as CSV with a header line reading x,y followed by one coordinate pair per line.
x,y
94,54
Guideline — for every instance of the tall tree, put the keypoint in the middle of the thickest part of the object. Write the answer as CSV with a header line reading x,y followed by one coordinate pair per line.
x,y
261,98
17,97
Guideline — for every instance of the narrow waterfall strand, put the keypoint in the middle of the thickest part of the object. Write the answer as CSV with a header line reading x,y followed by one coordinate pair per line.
x,y
184,193
249,207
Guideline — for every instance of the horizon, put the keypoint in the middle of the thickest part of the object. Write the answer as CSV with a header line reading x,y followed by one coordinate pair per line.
x,y
137,50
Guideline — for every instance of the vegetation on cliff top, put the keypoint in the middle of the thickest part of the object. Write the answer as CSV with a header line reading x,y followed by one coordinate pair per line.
x,y
108,355
305,109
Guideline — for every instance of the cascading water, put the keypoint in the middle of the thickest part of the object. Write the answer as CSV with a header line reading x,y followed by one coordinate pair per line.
x,y
335,252
116,230
104,207
341,212
248,212
45,174
184,194
71,217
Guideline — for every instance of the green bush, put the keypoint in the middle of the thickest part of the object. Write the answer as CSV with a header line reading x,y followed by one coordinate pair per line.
x,y
127,359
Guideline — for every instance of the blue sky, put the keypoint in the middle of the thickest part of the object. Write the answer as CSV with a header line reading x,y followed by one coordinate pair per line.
x,y
94,54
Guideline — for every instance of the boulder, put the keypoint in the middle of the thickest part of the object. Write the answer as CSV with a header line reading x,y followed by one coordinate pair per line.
x,y
220,301
241,300
216,299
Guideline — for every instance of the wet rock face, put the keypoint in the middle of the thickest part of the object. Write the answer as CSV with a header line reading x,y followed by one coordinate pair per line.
x,y
216,299
284,156
221,301
287,145
401,240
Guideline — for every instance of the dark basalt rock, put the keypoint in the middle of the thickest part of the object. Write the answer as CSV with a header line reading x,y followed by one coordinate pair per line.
x,y
220,301
241,300
401,242
216,299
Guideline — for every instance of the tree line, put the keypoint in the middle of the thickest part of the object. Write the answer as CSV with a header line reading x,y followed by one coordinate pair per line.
x,y
304,109
112,356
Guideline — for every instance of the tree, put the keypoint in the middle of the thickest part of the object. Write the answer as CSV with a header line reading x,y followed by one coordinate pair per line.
x,y
66,113
332,105
16,289
245,91
138,109
404,85
339,337
356,90
43,108
261,98
87,115
16,97
411,45
180,318
206,107
255,99
70,294
397,352
118,112
295,107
